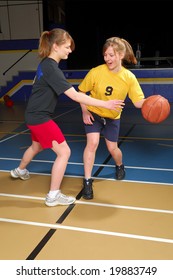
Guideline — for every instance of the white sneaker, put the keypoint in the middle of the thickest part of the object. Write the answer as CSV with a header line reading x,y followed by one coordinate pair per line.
x,y
15,174
59,199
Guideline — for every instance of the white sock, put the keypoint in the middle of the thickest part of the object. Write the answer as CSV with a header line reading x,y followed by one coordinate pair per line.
x,y
52,194
21,171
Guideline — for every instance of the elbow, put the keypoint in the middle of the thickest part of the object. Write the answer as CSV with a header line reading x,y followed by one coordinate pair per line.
x,y
139,104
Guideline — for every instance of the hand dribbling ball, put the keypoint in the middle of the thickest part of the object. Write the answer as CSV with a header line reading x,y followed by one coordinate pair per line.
x,y
155,109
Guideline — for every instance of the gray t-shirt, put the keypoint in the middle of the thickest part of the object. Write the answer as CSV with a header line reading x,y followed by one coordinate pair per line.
x,y
48,84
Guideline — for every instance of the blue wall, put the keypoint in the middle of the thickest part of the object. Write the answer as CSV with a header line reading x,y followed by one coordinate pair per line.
x,y
152,81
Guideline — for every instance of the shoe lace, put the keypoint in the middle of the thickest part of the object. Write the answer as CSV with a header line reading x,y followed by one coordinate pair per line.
x,y
62,195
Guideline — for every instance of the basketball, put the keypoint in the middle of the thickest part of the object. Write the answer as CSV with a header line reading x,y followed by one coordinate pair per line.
x,y
155,109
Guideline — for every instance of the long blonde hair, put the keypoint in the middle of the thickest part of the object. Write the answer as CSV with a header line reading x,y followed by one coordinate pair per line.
x,y
48,38
122,46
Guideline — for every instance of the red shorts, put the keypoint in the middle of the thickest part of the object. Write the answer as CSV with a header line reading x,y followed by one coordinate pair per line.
x,y
46,133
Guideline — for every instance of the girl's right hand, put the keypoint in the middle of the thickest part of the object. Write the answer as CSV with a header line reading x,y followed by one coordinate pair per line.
x,y
87,117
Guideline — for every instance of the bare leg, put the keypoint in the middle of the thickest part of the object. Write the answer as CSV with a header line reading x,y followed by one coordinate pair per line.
x,y
117,156
58,169
55,197
89,153
89,158
115,151
29,154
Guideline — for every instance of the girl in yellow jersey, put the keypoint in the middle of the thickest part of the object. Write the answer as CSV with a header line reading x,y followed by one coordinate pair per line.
x,y
108,81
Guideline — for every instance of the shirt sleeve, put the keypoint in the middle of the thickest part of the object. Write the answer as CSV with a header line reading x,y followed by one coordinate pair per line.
x,y
55,78
87,83
135,91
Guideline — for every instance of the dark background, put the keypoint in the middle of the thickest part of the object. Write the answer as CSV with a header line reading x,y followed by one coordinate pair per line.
x,y
90,23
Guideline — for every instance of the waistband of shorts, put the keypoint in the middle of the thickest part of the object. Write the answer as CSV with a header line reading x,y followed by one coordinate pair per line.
x,y
100,117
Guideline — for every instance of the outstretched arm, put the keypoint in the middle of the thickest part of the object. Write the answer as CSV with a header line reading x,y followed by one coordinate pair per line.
x,y
87,100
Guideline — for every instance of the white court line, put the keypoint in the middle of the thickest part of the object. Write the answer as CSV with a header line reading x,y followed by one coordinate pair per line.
x,y
8,138
95,164
58,226
95,204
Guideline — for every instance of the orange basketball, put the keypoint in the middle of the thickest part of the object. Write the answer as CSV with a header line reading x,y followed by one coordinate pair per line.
x,y
155,109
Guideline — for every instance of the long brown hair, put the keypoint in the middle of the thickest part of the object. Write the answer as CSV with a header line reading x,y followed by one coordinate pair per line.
x,y
121,45
48,38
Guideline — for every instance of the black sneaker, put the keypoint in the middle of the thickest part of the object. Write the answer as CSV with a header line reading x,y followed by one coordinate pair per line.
x,y
120,172
87,191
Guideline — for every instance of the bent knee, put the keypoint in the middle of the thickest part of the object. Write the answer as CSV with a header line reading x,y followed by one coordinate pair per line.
x,y
61,149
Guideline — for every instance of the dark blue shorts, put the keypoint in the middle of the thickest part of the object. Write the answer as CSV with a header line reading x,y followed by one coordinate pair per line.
x,y
109,128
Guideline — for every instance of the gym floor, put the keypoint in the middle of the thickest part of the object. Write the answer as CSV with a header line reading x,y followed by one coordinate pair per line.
x,y
127,220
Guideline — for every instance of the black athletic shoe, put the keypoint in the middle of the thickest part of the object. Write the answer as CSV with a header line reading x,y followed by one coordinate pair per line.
x,y
120,172
87,191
